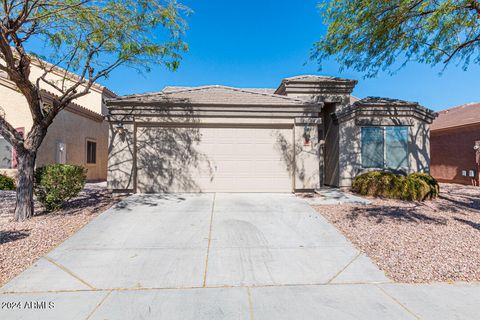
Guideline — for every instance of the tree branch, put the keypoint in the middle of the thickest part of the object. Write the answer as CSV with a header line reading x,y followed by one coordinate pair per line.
x,y
10,134
460,47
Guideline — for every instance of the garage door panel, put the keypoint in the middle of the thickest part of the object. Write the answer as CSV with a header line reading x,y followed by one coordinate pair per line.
x,y
201,159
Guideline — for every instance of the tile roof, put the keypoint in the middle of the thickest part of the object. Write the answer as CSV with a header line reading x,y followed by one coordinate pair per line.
x,y
314,78
220,95
457,116
387,107
258,90
389,102
261,90
384,101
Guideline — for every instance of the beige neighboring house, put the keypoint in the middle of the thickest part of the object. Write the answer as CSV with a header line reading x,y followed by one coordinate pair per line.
x,y
78,135
307,133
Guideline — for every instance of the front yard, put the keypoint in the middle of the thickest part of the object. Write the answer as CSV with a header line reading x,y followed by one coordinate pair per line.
x,y
22,243
436,240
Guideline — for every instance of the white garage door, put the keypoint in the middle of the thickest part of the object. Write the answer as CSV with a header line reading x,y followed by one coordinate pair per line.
x,y
214,159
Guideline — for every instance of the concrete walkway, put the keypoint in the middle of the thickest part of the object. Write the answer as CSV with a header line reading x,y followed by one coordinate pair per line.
x,y
332,196
219,256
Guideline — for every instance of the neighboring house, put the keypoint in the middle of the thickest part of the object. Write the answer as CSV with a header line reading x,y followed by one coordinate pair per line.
x,y
455,145
78,135
307,133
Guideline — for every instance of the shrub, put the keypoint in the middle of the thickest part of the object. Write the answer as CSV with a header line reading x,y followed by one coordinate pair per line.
x,y
414,187
432,183
6,183
57,183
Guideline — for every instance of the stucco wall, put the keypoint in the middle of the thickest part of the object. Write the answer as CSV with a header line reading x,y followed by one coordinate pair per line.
x,y
308,157
71,128
452,151
350,158
121,150
15,107
74,130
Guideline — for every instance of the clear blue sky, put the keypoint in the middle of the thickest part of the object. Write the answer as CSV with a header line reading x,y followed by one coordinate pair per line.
x,y
256,43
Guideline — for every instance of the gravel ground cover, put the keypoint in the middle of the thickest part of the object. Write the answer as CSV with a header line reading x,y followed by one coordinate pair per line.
x,y
437,240
22,243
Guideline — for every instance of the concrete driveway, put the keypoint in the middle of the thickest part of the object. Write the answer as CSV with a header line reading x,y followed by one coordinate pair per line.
x,y
219,256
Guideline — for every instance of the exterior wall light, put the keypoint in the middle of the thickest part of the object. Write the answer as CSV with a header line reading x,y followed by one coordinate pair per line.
x,y
119,128
306,135
121,131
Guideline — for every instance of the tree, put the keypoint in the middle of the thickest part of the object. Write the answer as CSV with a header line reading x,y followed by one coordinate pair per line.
x,y
88,37
371,35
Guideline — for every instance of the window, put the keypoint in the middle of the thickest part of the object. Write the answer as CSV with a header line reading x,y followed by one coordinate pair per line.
x,y
6,154
385,147
91,152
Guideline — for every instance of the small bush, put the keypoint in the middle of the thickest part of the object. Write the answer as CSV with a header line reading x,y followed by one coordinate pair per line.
x,y
432,183
57,183
6,183
414,187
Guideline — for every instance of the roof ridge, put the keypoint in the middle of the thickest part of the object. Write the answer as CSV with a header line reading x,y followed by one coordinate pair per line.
x,y
245,90
267,94
459,106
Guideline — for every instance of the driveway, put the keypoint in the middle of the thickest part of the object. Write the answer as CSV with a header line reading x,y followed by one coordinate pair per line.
x,y
219,256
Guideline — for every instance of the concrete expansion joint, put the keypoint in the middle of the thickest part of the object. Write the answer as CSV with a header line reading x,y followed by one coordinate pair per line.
x,y
344,268
397,302
70,273
209,241
98,305
250,287
250,303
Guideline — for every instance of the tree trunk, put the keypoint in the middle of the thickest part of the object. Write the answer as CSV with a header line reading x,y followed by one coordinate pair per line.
x,y
26,168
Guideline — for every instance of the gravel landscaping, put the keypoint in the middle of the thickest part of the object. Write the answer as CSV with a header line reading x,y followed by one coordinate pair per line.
x,y
437,240
22,243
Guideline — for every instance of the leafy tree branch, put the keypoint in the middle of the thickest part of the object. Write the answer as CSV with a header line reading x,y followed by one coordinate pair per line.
x,y
371,35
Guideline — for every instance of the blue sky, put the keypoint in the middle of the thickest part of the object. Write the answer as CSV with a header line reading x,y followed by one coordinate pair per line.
x,y
257,43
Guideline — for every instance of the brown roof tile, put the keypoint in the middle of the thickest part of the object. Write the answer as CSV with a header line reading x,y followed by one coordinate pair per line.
x,y
457,116
220,95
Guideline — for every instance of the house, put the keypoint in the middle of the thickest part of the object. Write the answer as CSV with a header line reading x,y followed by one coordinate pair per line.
x,y
455,145
307,133
78,135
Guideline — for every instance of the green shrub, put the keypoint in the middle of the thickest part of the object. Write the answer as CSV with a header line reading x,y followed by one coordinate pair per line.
x,y
432,183
57,183
6,183
414,187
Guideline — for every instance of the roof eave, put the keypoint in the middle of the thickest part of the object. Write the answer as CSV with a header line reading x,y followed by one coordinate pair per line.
x,y
129,103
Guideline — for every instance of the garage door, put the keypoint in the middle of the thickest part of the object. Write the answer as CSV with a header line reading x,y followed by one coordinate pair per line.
x,y
214,159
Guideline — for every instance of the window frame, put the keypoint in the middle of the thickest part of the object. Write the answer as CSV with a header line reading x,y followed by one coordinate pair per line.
x,y
87,141
384,166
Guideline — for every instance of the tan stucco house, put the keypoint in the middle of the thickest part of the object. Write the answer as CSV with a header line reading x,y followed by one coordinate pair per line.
x,y
307,133
78,135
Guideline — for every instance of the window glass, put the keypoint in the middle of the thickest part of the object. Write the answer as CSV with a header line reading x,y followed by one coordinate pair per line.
x,y
91,152
372,147
396,151
6,152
